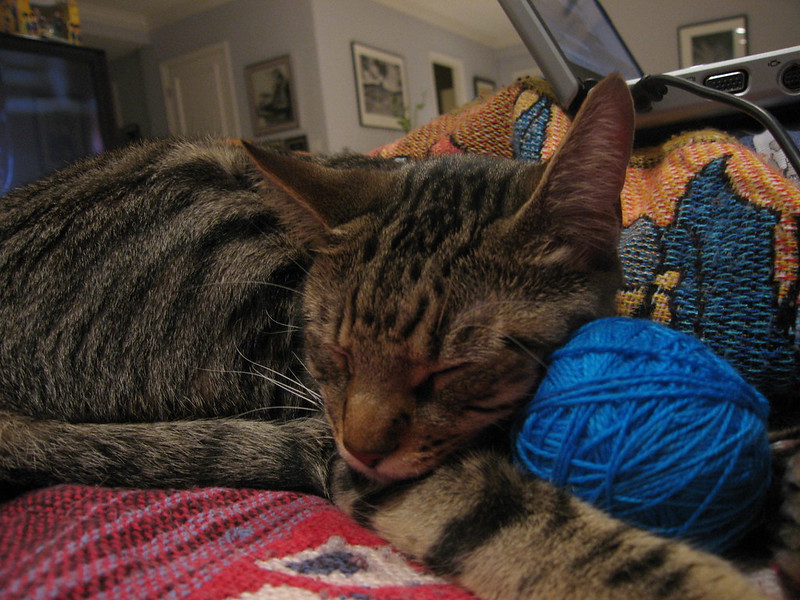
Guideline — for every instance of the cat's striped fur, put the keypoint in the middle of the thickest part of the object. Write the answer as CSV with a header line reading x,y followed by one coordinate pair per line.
x,y
169,316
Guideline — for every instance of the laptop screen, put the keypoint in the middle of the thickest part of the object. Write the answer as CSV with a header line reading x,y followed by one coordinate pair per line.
x,y
587,38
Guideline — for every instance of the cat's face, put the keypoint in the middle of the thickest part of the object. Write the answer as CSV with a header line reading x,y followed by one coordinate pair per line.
x,y
440,287
416,346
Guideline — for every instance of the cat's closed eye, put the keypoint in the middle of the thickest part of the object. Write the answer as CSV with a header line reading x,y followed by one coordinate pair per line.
x,y
342,358
435,380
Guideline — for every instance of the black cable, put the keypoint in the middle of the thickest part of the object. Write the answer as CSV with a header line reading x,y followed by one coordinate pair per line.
x,y
652,88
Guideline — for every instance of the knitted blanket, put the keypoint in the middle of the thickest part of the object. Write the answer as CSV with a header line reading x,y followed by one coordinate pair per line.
x,y
710,247
75,542
80,542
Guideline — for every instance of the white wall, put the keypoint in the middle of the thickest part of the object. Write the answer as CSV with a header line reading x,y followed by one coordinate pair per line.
x,y
513,61
318,33
336,26
650,27
256,31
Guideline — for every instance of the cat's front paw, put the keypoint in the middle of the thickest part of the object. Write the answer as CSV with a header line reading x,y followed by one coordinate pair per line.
x,y
354,493
478,521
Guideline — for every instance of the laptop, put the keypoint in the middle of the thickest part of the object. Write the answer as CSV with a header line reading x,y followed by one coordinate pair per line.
x,y
575,44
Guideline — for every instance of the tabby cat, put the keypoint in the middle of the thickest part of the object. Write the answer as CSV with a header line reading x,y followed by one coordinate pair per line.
x,y
173,315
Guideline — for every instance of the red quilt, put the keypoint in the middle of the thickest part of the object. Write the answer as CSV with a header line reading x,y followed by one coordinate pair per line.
x,y
83,542
77,542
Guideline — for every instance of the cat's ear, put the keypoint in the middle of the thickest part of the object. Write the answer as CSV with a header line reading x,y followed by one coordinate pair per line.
x,y
578,197
316,198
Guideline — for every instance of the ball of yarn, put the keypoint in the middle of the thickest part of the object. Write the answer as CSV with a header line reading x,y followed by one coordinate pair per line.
x,y
649,425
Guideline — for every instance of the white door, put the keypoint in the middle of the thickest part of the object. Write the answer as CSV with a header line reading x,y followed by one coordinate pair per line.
x,y
199,93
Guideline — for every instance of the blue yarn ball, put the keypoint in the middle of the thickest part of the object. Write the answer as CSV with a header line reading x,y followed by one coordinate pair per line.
x,y
649,425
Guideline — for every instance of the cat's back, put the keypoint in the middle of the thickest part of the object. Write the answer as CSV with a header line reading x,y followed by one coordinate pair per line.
x,y
129,278
165,168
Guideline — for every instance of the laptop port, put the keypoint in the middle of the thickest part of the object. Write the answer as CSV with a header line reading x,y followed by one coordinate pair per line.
x,y
733,82
790,78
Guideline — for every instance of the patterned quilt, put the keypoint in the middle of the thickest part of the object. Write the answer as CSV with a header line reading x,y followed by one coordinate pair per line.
x,y
710,247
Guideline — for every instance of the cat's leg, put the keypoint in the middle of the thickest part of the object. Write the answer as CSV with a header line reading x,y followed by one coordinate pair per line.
x,y
505,536
292,455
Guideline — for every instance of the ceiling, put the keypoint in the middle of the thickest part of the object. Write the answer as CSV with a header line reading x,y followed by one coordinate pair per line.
x,y
480,20
120,26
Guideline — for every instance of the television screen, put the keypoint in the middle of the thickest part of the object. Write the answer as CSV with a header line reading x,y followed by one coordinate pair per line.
x,y
55,107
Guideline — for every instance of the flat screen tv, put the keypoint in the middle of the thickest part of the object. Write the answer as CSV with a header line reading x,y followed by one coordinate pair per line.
x,y
55,107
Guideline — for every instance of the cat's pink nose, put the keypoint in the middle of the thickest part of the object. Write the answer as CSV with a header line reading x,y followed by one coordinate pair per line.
x,y
368,459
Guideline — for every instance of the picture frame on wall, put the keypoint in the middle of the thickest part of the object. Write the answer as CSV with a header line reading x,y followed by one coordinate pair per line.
x,y
298,143
712,41
271,96
483,87
381,87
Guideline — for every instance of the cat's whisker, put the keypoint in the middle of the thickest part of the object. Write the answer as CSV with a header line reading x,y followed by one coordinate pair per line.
x,y
296,392
297,381
266,409
311,393
302,363
521,305
292,380
443,307
246,282
299,265
289,326
538,359
313,401
292,329
248,359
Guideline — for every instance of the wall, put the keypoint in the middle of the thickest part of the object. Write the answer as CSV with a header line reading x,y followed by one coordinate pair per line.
x,y
650,29
513,61
336,26
255,31
318,34
126,73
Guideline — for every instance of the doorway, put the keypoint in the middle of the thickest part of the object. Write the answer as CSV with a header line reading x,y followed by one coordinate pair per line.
x,y
199,94
448,82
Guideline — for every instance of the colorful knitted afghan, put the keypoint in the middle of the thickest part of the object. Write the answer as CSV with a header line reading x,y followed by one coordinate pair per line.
x,y
710,240
710,247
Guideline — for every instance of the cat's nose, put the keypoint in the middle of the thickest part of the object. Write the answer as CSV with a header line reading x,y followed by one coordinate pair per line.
x,y
368,459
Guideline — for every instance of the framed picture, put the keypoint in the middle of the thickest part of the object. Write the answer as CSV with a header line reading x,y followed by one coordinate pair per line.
x,y
483,87
380,87
298,143
712,41
270,94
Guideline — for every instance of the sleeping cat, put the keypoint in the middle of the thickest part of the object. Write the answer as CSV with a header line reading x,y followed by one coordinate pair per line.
x,y
173,315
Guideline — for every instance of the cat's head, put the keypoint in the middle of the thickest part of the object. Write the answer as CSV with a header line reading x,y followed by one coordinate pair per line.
x,y
440,286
